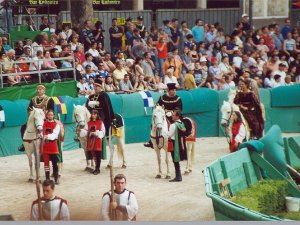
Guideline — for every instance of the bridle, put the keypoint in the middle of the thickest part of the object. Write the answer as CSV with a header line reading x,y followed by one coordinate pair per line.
x,y
158,135
227,125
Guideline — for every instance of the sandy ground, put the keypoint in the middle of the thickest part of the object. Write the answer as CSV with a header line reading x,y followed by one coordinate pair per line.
x,y
158,199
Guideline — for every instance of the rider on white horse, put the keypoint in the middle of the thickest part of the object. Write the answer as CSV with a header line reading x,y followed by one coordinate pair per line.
x,y
41,101
170,101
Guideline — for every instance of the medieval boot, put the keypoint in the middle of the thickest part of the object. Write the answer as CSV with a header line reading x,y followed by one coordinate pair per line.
x,y
178,177
47,174
97,169
148,144
21,148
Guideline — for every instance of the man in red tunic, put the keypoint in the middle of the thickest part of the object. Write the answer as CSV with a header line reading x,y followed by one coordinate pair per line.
x,y
50,147
95,133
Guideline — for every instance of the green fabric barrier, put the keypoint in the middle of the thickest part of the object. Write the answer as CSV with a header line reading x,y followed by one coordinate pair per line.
x,y
207,123
21,35
286,96
204,100
67,88
137,129
273,149
187,101
117,103
15,112
286,118
133,105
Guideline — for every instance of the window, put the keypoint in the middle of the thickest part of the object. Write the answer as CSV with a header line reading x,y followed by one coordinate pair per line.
x,y
268,8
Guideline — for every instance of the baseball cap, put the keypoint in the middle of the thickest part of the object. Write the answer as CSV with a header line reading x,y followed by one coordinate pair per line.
x,y
245,15
140,17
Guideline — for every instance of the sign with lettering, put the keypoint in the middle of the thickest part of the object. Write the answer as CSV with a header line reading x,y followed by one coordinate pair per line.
x,y
55,2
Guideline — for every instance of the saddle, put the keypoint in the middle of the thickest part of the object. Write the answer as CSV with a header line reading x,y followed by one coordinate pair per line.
x,y
119,121
188,125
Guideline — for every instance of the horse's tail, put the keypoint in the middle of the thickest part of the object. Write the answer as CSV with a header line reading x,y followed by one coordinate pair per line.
x,y
193,152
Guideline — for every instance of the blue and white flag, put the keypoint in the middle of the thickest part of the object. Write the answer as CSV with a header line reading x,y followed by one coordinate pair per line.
x,y
148,100
2,116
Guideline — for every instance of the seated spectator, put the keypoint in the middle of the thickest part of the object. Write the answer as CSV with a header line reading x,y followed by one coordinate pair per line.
x,y
89,61
130,70
55,55
79,70
221,84
108,64
94,52
277,81
288,81
82,89
5,44
125,84
138,70
46,42
119,73
89,73
215,70
48,64
109,85
101,80
140,85
150,83
189,81
160,86
171,61
75,43
37,44
101,50
170,78
67,64
9,67
37,65
209,82
102,72
19,49
120,57
229,83
66,31
66,49
90,86
26,53
79,53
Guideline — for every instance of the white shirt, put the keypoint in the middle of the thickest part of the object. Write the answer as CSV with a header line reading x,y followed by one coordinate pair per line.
x,y
54,135
50,210
122,199
282,75
99,133
241,135
168,80
82,87
237,60
172,129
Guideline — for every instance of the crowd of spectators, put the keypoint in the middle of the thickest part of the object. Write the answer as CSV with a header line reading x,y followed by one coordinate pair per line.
x,y
198,56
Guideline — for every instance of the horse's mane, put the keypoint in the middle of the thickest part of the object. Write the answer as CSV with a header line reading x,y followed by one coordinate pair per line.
x,y
30,117
231,95
158,108
82,108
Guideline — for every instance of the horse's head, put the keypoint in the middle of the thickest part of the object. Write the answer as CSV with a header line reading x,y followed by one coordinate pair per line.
x,y
231,95
158,117
226,110
81,115
39,118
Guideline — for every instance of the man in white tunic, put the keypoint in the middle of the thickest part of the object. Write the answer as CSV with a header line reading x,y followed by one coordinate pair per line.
x,y
124,202
52,207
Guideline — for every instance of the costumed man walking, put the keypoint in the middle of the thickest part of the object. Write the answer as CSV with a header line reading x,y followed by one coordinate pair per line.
x,y
122,201
95,142
170,101
52,207
51,131
177,145
41,101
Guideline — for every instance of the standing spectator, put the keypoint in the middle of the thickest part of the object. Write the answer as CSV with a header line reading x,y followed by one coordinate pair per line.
x,y
175,35
286,28
162,54
171,61
98,33
211,35
215,70
87,33
246,24
116,33
140,26
289,45
29,24
186,59
154,34
184,31
198,31
45,23
277,36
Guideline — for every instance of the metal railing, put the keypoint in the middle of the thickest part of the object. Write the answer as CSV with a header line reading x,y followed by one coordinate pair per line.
x,y
38,71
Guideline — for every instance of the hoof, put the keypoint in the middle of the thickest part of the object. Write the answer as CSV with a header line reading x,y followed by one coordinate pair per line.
x,y
86,169
108,166
158,176
190,171
57,182
96,172
124,166
186,172
168,177
30,180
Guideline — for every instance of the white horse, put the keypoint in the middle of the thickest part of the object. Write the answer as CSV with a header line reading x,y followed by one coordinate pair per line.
x,y
81,116
227,109
159,138
32,138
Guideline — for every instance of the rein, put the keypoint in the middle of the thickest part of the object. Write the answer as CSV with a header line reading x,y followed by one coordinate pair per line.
x,y
228,139
157,138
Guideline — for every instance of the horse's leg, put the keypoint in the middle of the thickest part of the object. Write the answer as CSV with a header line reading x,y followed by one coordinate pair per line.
x,y
168,176
188,161
29,156
121,150
158,161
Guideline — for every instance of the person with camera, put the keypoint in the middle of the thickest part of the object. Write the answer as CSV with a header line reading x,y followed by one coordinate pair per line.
x,y
98,33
